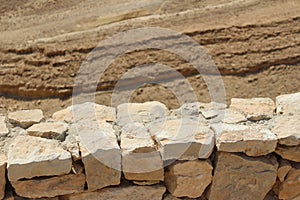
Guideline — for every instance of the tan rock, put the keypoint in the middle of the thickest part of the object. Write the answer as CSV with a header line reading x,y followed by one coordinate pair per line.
x,y
233,117
3,127
50,187
251,140
101,155
188,179
240,177
182,139
25,118
140,112
289,153
154,192
288,104
290,188
287,130
86,111
140,159
3,163
50,130
31,156
255,109
283,169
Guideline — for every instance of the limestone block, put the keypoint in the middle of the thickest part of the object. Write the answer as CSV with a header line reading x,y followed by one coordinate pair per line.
x,y
255,109
3,127
240,177
252,140
50,187
140,159
25,118
140,112
233,117
182,139
154,192
50,130
288,104
30,156
289,153
287,130
101,155
188,179
290,188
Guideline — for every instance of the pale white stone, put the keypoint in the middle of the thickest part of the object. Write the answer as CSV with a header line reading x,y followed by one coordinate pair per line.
x,y
288,104
182,139
140,159
3,128
25,118
50,130
31,156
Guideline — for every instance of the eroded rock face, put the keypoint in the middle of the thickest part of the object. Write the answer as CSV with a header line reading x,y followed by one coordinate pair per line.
x,y
121,193
50,187
240,177
251,140
140,112
3,128
185,139
25,118
140,159
188,179
31,156
288,104
50,130
250,107
290,188
101,155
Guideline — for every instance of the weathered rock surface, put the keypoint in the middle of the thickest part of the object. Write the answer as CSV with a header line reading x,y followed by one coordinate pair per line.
x,y
121,193
183,139
240,177
288,104
101,155
250,107
50,130
251,140
289,153
3,163
140,159
283,169
71,143
287,130
140,112
290,188
233,117
3,128
25,118
50,187
31,156
188,179
85,111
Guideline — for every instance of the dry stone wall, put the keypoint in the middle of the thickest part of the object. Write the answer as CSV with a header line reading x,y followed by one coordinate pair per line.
x,y
247,150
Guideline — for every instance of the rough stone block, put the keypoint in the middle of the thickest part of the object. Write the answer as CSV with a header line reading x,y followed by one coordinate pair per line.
x,y
31,156
50,187
3,128
240,177
121,193
188,179
50,130
140,112
288,104
283,169
289,153
251,140
255,109
233,117
290,188
140,159
101,155
182,139
25,118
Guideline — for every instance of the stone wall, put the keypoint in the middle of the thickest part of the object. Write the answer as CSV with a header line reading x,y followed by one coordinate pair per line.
x,y
248,150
